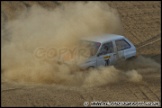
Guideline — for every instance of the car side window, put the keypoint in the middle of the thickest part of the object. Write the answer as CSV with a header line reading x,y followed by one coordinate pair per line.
x,y
107,48
122,44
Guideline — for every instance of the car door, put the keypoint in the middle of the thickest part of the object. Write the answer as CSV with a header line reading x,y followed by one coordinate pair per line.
x,y
106,55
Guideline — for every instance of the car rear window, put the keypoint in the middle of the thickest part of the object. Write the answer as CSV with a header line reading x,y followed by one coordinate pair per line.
x,y
122,44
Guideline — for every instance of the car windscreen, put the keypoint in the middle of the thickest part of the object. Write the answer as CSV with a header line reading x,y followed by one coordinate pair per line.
x,y
91,46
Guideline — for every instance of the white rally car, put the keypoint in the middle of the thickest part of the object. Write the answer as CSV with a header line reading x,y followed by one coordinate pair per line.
x,y
108,50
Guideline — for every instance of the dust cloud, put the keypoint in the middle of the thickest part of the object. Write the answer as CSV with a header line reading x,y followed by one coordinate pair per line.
x,y
37,34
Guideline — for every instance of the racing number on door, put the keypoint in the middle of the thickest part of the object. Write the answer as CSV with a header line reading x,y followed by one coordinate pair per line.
x,y
106,50
106,62
106,58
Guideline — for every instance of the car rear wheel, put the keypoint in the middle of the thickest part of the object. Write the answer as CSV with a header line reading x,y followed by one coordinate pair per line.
x,y
90,68
131,58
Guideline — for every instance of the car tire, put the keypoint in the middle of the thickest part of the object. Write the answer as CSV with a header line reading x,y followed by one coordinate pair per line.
x,y
131,58
90,68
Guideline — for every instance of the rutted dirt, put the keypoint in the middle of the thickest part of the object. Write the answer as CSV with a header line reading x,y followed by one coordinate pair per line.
x,y
56,95
148,90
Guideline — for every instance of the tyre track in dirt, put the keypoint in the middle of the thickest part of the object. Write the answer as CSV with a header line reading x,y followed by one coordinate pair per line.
x,y
144,93
151,95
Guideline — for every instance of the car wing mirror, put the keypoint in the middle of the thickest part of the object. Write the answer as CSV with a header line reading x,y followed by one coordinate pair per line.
x,y
99,54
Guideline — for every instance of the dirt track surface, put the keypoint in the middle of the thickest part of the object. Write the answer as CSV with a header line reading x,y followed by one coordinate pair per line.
x,y
148,90
141,21
47,95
